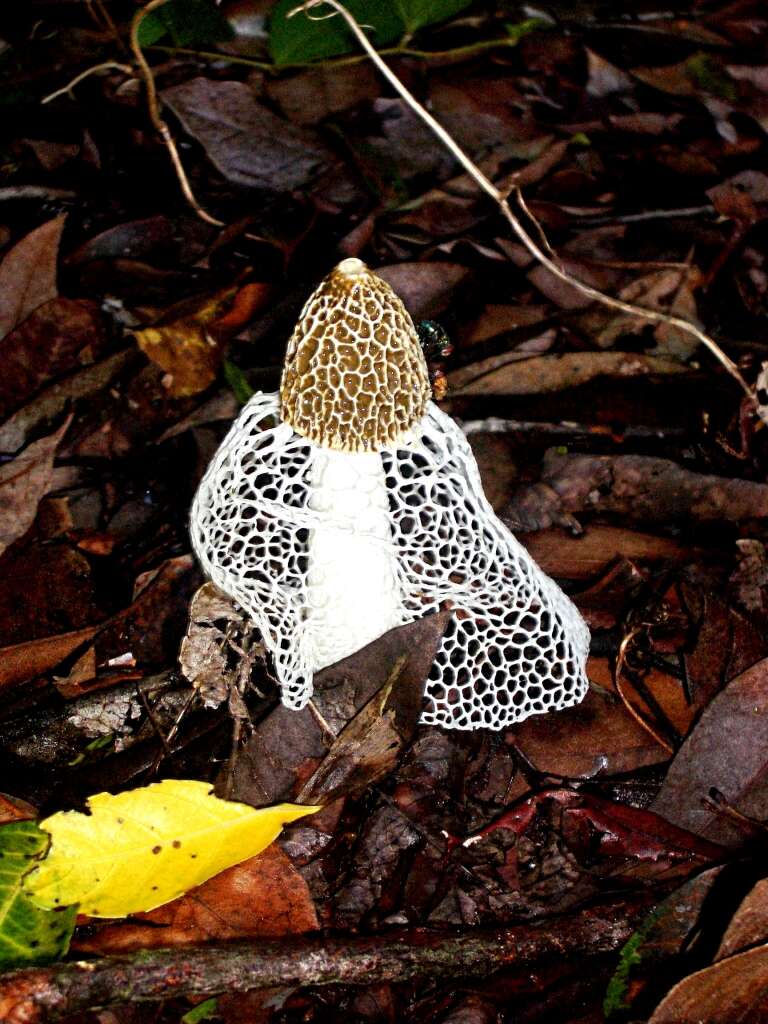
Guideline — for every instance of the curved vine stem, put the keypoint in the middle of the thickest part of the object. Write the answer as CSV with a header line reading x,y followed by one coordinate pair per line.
x,y
537,249
159,124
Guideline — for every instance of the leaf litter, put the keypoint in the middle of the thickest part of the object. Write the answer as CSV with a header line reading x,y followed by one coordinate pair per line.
x,y
618,452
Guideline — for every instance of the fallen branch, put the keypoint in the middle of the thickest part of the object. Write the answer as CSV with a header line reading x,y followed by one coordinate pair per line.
x,y
542,251
38,995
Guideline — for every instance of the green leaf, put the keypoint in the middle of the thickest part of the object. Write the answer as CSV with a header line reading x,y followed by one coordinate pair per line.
x,y
302,38
188,22
236,379
203,1011
415,14
28,934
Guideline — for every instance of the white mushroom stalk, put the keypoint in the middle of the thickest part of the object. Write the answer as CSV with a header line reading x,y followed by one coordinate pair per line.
x,y
348,504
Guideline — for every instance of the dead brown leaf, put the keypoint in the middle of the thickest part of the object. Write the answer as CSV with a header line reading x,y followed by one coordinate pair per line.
x,y
28,274
597,737
13,809
246,142
143,637
24,481
313,94
263,897
726,750
33,658
749,925
636,489
735,989
668,291
546,374
561,554
288,746
203,656
425,288
56,338
370,746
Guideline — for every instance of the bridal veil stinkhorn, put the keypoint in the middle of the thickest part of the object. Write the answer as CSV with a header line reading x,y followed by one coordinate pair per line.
x,y
348,504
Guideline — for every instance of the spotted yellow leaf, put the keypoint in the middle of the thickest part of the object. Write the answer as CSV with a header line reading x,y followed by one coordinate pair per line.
x,y
140,849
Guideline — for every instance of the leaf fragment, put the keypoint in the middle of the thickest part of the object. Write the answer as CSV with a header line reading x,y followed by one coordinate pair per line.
x,y
28,933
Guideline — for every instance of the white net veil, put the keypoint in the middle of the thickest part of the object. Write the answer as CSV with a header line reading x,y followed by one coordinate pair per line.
x,y
516,645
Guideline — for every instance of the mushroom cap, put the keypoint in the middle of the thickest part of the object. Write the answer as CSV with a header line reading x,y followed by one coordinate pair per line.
x,y
354,377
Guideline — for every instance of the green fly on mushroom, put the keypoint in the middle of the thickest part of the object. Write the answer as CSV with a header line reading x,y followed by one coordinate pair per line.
x,y
348,504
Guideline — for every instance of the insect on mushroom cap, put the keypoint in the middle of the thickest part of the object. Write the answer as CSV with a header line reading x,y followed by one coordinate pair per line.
x,y
354,377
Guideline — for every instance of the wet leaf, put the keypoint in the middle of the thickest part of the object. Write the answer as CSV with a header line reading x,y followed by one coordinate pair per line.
x,y
29,934
662,935
142,848
597,737
509,375
749,925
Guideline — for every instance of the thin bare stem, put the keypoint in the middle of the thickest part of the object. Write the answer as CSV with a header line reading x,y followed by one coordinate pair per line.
x,y
156,118
107,65
458,53
640,718
534,248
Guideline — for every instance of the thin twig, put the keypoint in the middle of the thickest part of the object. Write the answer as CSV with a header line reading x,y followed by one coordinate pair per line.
x,y
458,53
107,65
156,118
638,716
536,250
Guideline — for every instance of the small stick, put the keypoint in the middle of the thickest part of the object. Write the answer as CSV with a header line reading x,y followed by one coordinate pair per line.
x,y
38,995
107,65
537,250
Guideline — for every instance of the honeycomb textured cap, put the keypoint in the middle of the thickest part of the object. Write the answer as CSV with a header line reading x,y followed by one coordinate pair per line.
x,y
354,377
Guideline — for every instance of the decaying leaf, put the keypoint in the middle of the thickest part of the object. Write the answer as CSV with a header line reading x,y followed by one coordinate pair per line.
x,y
28,274
28,933
661,936
261,897
287,747
735,989
597,737
248,144
142,848
727,750
543,374
369,747
24,481
189,347
668,291
203,657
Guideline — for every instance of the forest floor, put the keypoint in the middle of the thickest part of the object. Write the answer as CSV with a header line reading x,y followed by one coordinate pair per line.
x,y
605,862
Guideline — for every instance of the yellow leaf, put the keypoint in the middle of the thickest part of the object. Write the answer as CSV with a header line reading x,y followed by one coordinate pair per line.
x,y
140,849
